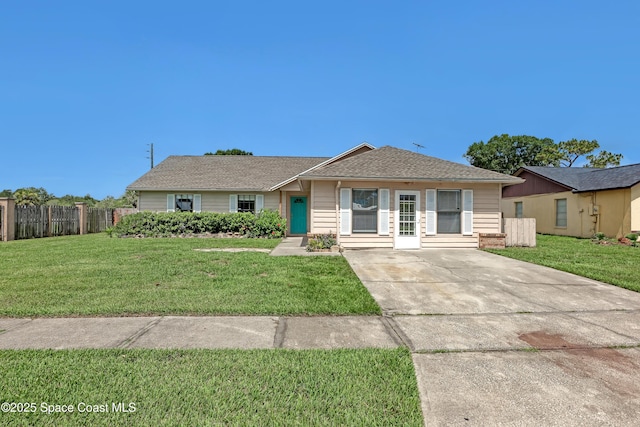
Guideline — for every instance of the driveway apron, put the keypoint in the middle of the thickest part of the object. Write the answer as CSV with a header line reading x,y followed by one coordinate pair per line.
x,y
501,341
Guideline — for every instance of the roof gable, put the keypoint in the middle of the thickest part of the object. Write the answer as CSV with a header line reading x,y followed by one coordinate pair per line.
x,y
390,163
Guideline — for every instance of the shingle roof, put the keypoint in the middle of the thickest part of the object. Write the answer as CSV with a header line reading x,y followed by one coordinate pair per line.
x,y
590,179
390,163
210,173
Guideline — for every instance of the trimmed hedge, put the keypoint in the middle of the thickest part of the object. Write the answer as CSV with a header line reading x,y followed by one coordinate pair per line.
x,y
267,224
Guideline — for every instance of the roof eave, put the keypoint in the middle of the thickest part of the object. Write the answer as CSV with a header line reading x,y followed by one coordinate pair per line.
x,y
412,179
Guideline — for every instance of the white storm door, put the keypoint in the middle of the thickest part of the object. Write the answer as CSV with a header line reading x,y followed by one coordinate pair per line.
x,y
407,220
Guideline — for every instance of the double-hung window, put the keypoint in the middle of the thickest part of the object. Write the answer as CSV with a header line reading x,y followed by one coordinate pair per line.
x,y
247,203
449,209
184,202
365,210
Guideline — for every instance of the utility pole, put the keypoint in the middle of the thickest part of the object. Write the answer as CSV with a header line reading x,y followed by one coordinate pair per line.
x,y
150,151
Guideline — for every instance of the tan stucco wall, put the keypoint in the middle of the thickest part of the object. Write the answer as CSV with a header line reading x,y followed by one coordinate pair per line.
x,y
635,208
613,219
156,201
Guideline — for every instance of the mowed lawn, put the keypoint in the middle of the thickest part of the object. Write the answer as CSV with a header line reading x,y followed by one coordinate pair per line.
x,y
369,387
615,264
94,275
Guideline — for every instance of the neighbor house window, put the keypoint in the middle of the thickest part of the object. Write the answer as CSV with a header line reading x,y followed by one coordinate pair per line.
x,y
561,212
518,209
184,202
365,210
247,203
449,205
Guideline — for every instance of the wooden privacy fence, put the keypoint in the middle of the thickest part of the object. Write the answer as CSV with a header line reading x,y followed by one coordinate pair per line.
x,y
47,221
520,231
99,219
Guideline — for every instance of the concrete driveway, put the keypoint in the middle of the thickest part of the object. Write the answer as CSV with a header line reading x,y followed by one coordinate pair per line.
x,y
497,341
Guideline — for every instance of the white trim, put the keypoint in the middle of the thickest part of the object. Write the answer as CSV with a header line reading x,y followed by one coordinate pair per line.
x,y
431,212
171,202
345,211
467,212
383,217
407,242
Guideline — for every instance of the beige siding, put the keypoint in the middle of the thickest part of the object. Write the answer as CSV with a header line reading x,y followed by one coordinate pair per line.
x,y
156,201
635,208
486,209
152,201
486,216
323,208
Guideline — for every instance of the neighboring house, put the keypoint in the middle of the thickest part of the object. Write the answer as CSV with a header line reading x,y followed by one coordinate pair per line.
x,y
368,197
577,201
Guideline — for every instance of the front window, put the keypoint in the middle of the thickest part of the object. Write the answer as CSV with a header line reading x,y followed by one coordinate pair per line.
x,y
449,205
184,202
561,212
365,211
518,209
246,203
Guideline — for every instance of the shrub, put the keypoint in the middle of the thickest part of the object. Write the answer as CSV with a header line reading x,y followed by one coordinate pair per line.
x,y
158,224
599,236
321,241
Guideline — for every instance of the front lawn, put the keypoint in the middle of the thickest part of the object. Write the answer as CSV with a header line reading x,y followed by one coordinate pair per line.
x,y
96,275
615,264
369,387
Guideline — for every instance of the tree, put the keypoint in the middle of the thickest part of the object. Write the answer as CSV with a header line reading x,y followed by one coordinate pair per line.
x,y
230,152
603,159
507,153
26,197
6,193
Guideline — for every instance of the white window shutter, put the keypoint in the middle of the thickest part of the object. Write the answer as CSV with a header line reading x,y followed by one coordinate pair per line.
x,y
431,218
345,211
383,203
197,203
171,202
233,203
467,212
259,202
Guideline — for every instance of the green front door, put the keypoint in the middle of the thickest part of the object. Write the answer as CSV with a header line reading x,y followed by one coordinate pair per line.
x,y
298,215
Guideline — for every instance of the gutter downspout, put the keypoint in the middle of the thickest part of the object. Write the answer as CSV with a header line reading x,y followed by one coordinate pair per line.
x,y
337,195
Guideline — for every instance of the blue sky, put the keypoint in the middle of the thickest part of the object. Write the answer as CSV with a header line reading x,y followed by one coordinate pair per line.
x,y
86,85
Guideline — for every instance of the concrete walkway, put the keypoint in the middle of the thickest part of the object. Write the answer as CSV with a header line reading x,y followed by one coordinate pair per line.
x,y
212,332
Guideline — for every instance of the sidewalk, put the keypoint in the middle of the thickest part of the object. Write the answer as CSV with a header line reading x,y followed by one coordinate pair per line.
x,y
216,332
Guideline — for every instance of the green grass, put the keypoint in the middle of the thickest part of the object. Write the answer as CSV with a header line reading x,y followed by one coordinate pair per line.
x,y
616,264
96,275
370,387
